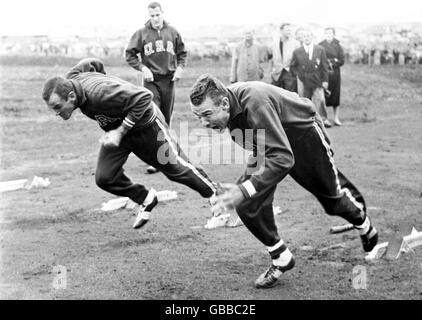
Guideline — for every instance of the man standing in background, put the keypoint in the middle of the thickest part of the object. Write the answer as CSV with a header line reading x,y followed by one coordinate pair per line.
x,y
246,60
310,64
283,49
162,59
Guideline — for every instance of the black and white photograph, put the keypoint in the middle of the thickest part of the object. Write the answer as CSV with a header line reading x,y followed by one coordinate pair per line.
x,y
229,151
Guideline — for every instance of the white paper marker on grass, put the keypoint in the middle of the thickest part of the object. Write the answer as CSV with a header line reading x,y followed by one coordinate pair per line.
x,y
12,185
37,182
125,202
412,240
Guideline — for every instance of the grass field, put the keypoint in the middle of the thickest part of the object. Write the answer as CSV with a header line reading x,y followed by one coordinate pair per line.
x,y
43,230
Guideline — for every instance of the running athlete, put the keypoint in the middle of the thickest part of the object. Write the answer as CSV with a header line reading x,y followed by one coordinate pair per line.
x,y
132,124
287,136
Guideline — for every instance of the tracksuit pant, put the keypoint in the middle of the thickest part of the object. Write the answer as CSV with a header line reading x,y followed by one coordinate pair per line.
x,y
315,170
154,146
163,89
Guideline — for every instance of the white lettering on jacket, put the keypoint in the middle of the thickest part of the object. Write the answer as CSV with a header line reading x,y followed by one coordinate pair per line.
x,y
148,50
159,47
170,48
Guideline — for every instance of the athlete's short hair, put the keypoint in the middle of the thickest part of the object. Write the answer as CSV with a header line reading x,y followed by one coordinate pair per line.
x,y
208,86
61,86
154,5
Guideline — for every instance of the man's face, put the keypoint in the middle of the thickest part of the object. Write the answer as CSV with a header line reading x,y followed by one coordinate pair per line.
x,y
307,37
156,16
286,32
329,35
63,108
212,116
249,37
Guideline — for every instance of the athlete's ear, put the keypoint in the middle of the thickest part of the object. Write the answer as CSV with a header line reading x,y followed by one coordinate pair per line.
x,y
225,104
71,97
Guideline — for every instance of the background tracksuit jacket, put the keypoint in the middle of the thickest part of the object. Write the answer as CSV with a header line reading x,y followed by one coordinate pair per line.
x,y
161,51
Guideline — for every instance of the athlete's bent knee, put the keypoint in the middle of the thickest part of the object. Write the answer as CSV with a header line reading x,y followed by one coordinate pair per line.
x,y
102,181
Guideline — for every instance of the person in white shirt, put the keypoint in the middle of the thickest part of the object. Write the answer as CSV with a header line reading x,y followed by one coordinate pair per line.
x,y
283,48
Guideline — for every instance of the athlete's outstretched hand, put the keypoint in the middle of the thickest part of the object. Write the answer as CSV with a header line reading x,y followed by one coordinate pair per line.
x,y
230,198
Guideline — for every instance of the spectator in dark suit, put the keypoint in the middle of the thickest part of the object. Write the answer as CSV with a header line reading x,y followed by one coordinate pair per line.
x,y
335,56
310,64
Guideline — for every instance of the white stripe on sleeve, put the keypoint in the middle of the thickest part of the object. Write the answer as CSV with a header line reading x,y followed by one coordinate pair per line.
x,y
248,185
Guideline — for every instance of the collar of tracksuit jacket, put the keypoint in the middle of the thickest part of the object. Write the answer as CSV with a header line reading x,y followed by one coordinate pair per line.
x,y
148,24
235,108
80,94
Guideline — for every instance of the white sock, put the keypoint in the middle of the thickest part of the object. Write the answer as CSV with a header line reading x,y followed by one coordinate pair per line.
x,y
283,259
276,246
364,227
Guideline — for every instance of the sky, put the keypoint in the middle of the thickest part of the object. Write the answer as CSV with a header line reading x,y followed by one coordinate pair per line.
x,y
28,17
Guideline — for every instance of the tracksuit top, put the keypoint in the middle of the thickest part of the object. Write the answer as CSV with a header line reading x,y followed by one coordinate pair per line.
x,y
257,105
109,100
162,51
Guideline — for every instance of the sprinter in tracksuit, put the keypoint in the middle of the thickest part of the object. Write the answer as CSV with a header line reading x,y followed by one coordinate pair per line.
x,y
287,136
132,124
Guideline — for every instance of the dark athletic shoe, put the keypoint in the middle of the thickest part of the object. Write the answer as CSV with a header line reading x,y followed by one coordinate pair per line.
x,y
271,277
370,239
145,209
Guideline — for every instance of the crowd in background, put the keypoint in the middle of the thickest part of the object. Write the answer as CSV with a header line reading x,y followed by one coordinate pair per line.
x,y
387,45
372,56
298,64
